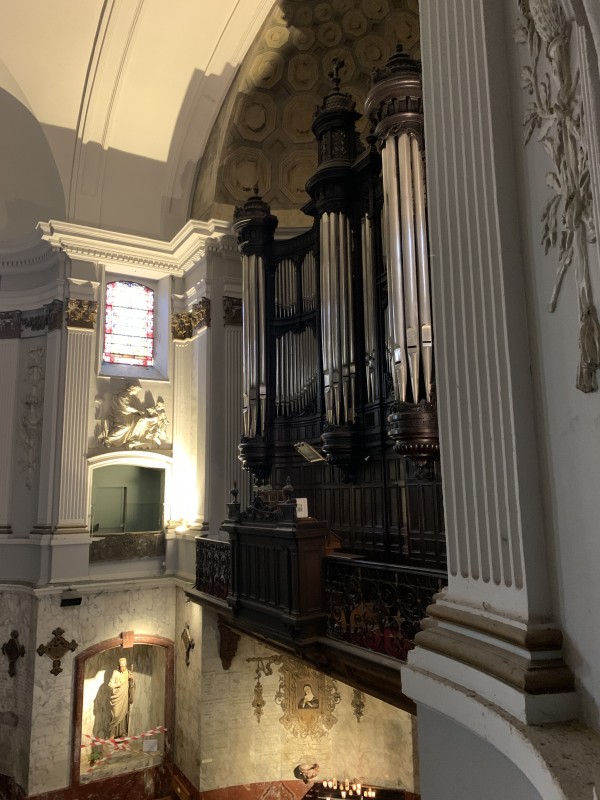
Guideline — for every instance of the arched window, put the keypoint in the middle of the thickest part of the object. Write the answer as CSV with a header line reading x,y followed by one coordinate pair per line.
x,y
129,324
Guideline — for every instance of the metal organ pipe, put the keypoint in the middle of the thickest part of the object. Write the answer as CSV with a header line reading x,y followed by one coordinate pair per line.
x,y
409,263
397,331
368,307
254,354
339,364
395,108
423,266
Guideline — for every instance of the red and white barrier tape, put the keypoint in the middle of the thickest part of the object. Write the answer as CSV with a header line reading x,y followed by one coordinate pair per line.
x,y
120,743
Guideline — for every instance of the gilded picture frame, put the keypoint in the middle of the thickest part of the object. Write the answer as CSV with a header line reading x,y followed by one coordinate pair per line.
x,y
307,698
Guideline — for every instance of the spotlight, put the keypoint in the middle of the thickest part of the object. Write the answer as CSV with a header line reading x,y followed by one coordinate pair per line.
x,y
70,598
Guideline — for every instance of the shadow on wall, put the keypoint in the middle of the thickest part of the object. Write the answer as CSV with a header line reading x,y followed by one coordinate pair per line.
x,y
30,189
110,188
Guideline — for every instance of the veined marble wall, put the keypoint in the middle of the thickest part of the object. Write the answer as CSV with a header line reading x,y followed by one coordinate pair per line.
x,y
17,612
104,615
220,741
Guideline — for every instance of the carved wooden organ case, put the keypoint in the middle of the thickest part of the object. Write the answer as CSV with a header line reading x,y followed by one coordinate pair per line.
x,y
337,332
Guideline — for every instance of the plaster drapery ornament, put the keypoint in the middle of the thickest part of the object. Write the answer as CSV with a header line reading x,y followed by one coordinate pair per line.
x,y
264,665
121,687
556,113
129,425
13,650
56,649
32,415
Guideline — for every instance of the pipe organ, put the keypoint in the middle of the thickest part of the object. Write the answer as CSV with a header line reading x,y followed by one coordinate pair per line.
x,y
338,341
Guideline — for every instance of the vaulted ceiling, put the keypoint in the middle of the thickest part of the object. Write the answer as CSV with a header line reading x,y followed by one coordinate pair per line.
x,y
107,106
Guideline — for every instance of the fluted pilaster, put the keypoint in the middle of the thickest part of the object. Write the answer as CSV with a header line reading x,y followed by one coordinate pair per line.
x,y
72,508
491,631
9,365
184,506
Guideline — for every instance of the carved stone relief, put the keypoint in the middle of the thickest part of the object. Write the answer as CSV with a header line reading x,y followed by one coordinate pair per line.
x,y
56,649
13,650
21,324
32,414
126,546
187,323
81,313
555,114
129,425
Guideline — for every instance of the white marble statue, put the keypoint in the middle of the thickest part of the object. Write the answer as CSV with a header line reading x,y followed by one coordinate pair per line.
x,y
121,685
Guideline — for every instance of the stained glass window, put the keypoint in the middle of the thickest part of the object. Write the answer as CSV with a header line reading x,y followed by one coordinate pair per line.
x,y
129,324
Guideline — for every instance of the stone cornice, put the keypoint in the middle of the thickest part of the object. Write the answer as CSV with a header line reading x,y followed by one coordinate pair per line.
x,y
26,255
117,250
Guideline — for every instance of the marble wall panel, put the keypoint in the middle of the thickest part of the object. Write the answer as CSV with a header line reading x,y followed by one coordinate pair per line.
x,y
235,746
148,610
17,612
188,690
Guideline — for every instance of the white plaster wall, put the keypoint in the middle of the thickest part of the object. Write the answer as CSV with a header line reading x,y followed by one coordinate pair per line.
x,y
568,421
17,612
103,615
221,743
461,765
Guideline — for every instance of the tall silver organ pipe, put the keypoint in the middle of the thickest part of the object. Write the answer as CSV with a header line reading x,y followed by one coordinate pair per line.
x,y
296,367
254,381
337,325
254,225
368,305
394,106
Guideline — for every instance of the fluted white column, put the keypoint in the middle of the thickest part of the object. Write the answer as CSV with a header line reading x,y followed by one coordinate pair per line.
x,y
72,507
202,393
184,505
495,616
9,365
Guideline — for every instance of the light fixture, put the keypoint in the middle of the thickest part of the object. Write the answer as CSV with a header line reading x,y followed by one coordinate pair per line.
x,y
70,598
309,452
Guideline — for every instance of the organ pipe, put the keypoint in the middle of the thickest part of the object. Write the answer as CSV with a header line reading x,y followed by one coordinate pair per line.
x,y
394,106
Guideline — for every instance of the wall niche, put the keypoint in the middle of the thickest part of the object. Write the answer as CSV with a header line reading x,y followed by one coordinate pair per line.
x,y
123,711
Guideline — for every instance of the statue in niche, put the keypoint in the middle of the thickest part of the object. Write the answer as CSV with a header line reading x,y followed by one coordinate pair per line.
x,y
127,424
122,689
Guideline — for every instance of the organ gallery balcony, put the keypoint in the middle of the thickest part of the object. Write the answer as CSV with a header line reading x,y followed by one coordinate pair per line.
x,y
277,577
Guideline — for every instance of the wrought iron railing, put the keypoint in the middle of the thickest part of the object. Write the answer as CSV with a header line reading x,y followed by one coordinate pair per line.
x,y
213,567
377,606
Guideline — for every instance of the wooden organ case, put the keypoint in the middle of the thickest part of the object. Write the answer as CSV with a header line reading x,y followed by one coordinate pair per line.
x,y
337,333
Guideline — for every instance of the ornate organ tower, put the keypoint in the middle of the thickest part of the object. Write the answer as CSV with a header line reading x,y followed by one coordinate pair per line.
x,y
339,384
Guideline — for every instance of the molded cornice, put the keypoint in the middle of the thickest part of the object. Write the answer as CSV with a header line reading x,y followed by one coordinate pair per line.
x,y
118,250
